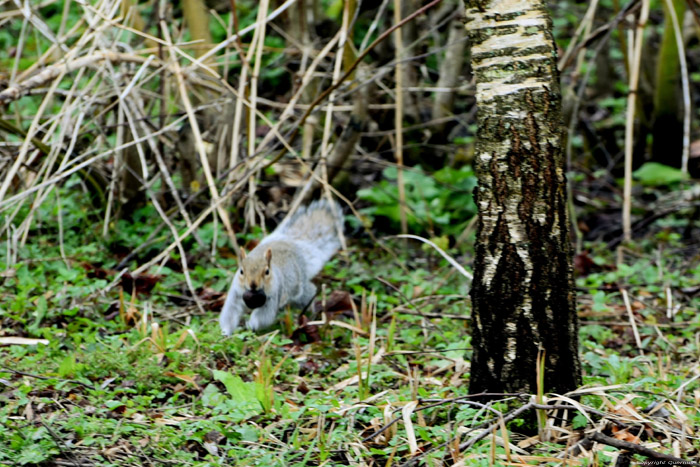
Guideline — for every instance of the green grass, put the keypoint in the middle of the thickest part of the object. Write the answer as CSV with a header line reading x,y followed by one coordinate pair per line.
x,y
127,379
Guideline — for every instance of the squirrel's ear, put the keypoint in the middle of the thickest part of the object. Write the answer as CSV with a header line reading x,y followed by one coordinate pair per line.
x,y
242,253
268,255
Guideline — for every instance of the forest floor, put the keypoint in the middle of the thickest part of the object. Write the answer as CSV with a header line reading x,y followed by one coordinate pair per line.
x,y
101,368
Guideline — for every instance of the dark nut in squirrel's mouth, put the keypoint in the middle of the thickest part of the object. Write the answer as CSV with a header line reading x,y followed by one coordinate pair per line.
x,y
254,298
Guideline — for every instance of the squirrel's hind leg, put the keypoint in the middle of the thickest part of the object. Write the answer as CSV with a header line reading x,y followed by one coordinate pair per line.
x,y
305,296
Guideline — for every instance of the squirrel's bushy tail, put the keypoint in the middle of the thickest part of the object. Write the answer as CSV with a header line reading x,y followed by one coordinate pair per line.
x,y
316,228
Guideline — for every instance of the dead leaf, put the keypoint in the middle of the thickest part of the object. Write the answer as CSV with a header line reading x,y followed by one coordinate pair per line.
x,y
529,442
339,301
583,264
119,410
28,412
142,283
410,433
355,379
624,435
185,378
305,333
211,448
307,367
122,447
302,387
214,437
695,148
213,300
7,273
96,272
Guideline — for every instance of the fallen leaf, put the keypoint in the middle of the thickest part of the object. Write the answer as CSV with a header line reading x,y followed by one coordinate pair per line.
x,y
186,378
142,283
410,433
96,272
305,333
583,264
213,300
625,435
339,301
211,448
7,273
29,412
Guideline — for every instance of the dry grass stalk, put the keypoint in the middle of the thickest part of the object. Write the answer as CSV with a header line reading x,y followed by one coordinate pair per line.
x,y
57,71
199,63
199,143
24,149
633,323
128,107
305,81
685,86
582,31
337,67
259,41
195,13
344,146
238,112
398,118
349,70
636,39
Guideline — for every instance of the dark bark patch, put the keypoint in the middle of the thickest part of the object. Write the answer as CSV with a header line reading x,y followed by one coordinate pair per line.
x,y
498,17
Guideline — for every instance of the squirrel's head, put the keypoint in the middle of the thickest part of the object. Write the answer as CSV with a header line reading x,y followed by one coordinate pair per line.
x,y
255,277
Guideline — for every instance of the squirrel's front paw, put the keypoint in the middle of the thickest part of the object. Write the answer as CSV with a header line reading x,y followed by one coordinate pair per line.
x,y
260,319
227,324
253,324
226,330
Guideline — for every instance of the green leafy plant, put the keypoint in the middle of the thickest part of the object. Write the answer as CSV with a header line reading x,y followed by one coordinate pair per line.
x,y
655,174
244,395
440,203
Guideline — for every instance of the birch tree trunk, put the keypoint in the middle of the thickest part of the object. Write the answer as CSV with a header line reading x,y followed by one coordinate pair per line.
x,y
522,296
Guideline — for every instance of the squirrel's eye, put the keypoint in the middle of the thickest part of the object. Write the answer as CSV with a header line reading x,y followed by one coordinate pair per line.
x,y
267,271
242,273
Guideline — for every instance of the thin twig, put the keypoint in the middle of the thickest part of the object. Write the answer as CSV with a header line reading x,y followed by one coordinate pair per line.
x,y
54,71
60,444
638,449
398,118
45,378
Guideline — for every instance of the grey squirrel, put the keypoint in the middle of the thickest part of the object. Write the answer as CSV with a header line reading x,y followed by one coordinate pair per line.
x,y
279,270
